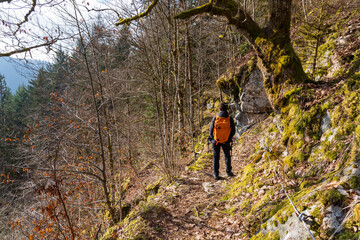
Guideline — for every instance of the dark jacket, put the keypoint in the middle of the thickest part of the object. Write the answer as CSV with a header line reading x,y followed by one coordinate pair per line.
x,y
232,125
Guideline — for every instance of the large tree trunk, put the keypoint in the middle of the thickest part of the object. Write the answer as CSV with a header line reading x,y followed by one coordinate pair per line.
x,y
280,66
277,60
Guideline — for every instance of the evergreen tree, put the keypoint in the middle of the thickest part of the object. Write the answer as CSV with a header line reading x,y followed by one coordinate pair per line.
x,y
59,72
20,108
5,95
39,90
121,49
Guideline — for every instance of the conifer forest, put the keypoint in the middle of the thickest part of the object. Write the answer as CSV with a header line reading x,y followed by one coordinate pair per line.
x,y
109,137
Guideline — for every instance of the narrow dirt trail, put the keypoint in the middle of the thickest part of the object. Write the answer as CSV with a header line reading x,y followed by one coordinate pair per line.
x,y
195,208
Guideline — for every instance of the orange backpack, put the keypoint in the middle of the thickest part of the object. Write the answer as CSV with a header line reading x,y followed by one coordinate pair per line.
x,y
222,129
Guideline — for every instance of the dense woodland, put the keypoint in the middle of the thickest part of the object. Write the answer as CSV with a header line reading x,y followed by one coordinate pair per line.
x,y
82,129
138,96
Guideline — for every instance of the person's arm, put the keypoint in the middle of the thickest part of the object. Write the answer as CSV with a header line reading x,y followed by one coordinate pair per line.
x,y
211,133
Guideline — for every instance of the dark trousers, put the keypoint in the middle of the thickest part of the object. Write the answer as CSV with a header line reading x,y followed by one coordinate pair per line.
x,y
226,149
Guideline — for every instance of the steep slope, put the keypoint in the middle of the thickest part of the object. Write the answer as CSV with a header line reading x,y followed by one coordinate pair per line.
x,y
310,150
320,176
307,153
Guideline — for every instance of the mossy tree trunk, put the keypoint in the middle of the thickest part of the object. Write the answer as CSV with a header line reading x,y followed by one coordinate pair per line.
x,y
277,60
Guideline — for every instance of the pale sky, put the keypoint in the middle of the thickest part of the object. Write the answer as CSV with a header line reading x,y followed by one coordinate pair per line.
x,y
48,21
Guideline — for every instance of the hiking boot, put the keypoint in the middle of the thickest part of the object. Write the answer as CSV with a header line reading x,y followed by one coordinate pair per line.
x,y
230,174
216,177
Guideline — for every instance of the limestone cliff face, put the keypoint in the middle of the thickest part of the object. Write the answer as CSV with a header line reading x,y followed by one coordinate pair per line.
x,y
253,104
244,85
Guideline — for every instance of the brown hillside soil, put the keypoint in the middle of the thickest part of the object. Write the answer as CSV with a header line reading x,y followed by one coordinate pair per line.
x,y
190,211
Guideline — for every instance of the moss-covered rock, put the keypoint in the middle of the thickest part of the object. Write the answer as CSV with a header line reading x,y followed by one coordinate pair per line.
x,y
332,197
267,236
154,187
139,224
353,223
203,161
236,77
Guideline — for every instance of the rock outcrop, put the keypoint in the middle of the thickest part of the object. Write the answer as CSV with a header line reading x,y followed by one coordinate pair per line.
x,y
244,84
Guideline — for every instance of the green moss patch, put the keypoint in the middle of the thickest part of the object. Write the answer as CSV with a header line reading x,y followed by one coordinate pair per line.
x,y
332,197
236,77
354,182
139,224
267,236
204,161
153,188
353,223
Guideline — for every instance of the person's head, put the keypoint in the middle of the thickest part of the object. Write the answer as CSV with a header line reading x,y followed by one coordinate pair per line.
x,y
223,106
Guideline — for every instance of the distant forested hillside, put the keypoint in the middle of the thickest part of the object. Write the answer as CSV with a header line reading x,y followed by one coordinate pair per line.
x,y
18,72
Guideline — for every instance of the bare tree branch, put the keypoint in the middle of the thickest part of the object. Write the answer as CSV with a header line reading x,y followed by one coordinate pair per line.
x,y
102,10
22,50
230,9
143,14
194,11
26,18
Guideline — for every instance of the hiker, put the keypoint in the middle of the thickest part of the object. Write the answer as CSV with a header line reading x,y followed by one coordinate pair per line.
x,y
222,130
